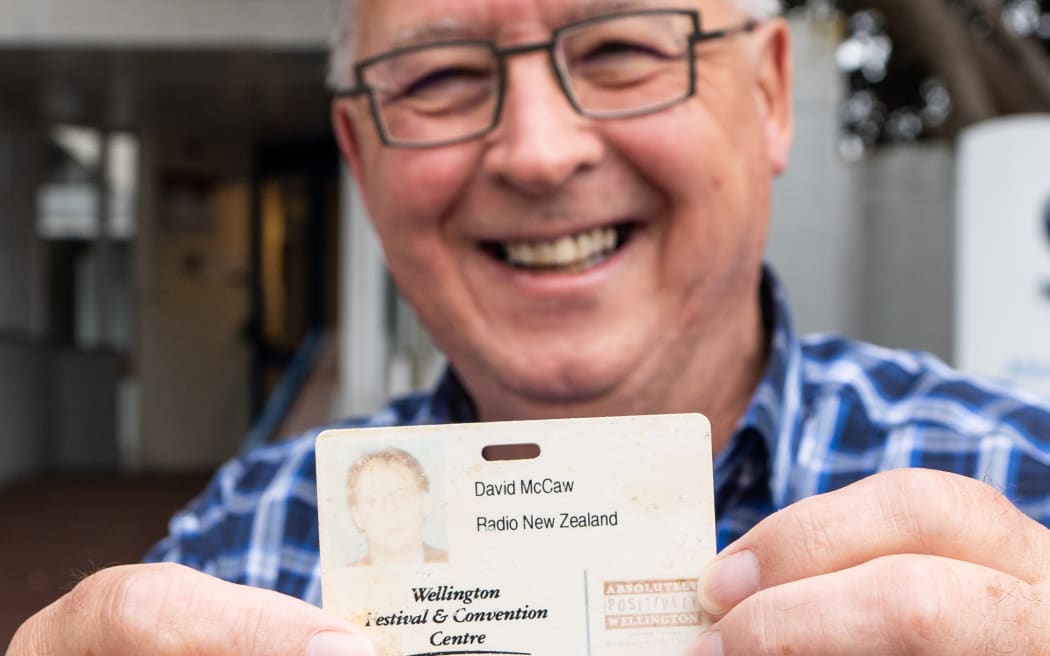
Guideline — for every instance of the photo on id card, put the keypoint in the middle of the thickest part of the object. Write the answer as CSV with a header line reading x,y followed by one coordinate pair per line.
x,y
579,536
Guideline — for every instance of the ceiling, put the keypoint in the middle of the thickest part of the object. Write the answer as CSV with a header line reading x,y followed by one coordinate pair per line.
x,y
221,93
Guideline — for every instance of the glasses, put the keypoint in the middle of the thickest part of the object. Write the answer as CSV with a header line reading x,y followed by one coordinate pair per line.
x,y
615,66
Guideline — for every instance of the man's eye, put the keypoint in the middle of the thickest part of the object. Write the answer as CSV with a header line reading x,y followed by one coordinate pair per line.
x,y
446,80
610,50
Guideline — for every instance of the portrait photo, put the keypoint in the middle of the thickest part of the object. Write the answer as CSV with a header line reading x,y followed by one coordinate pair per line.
x,y
392,509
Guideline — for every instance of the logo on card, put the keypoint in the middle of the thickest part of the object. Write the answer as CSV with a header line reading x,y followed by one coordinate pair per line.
x,y
1046,221
651,604
1046,233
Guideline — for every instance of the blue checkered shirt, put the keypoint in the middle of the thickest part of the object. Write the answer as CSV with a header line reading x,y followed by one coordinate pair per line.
x,y
828,411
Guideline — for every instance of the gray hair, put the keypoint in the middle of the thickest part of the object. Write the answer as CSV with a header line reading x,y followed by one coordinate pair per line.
x,y
340,57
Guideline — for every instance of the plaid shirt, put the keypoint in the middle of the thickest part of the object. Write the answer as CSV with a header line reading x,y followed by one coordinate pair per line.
x,y
827,412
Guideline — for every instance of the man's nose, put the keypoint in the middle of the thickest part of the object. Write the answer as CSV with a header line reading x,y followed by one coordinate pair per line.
x,y
541,142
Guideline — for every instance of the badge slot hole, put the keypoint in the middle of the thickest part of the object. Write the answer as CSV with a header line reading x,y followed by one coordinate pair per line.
x,y
510,452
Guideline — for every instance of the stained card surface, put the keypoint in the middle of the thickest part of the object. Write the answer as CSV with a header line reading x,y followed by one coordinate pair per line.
x,y
589,541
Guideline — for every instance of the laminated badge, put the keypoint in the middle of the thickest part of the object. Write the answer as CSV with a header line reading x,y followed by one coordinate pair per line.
x,y
546,538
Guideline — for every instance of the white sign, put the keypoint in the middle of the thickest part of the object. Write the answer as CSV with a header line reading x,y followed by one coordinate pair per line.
x,y
1002,322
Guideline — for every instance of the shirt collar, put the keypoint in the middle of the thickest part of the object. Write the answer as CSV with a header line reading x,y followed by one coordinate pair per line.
x,y
779,389
449,404
773,414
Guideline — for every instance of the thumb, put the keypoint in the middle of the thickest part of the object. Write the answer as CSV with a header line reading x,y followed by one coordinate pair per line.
x,y
170,610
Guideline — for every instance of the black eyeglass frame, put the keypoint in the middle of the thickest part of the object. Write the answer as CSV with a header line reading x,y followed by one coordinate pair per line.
x,y
501,55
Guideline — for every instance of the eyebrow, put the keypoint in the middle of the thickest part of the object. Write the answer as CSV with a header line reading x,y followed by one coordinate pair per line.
x,y
593,8
448,28
442,29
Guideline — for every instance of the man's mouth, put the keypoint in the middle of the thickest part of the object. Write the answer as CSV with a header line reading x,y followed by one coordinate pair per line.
x,y
569,254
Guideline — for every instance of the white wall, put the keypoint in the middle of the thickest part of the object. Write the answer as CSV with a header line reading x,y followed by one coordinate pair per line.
x,y
865,249
905,198
815,241
159,23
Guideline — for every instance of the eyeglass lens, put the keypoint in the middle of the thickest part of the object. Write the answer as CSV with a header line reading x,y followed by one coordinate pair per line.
x,y
626,64
617,66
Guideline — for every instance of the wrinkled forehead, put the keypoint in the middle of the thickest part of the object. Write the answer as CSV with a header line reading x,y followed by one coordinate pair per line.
x,y
387,24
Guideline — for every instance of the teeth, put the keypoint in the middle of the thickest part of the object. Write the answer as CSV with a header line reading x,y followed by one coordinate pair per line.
x,y
567,252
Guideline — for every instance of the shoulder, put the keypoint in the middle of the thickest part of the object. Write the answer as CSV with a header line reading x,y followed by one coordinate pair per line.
x,y
434,555
898,387
889,408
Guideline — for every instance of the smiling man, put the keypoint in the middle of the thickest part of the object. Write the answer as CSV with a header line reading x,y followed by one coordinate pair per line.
x,y
574,196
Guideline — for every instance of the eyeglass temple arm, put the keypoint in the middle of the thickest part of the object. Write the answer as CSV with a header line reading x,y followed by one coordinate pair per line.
x,y
352,92
749,26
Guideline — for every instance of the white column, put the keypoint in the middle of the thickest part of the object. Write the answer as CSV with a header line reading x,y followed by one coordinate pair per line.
x,y
363,340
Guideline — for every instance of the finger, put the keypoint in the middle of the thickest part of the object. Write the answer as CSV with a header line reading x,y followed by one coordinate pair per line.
x,y
893,606
169,610
904,511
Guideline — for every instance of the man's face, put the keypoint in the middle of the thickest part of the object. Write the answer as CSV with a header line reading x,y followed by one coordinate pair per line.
x,y
685,189
388,505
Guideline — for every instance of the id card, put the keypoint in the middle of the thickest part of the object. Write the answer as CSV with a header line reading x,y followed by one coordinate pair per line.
x,y
547,538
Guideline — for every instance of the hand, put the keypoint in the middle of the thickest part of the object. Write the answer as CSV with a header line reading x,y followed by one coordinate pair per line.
x,y
906,562
170,610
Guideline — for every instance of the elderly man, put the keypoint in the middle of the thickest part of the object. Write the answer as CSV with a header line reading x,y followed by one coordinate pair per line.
x,y
574,196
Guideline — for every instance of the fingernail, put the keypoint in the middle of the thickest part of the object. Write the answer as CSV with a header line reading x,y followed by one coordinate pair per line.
x,y
709,644
729,581
339,644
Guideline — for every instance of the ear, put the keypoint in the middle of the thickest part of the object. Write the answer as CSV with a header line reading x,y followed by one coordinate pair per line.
x,y
775,68
346,122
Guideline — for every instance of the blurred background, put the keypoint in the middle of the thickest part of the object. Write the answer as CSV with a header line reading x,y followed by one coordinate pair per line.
x,y
186,272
